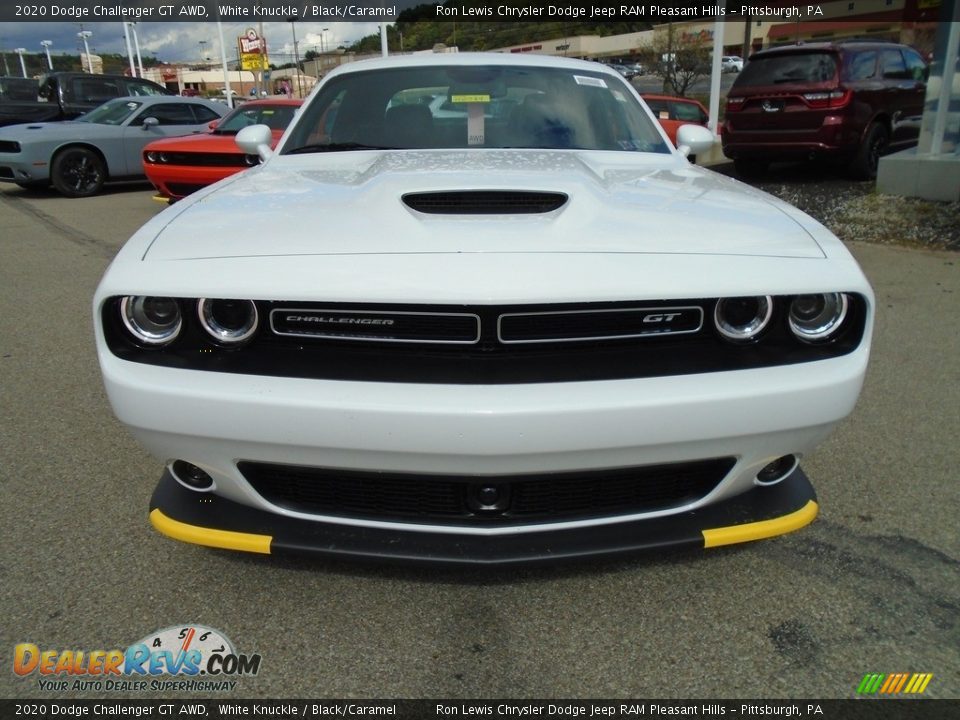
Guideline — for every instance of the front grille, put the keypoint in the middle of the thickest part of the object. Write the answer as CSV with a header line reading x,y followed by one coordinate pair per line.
x,y
441,499
484,202
182,189
575,325
208,159
515,344
382,326
9,146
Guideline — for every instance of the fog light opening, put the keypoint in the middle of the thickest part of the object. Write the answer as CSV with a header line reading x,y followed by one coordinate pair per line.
x,y
191,476
778,470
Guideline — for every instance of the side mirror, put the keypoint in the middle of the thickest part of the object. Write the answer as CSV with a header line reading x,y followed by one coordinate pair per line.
x,y
694,139
149,122
255,140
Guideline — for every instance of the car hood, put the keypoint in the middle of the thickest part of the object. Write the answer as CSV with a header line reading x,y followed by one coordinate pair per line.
x,y
62,130
351,204
204,142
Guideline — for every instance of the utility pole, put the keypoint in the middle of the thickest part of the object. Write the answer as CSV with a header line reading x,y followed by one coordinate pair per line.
x,y
46,46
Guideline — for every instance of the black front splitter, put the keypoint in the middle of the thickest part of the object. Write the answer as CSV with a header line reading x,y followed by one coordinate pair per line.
x,y
208,519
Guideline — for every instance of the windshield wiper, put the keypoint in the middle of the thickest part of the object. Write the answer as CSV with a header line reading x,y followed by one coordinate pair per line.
x,y
334,147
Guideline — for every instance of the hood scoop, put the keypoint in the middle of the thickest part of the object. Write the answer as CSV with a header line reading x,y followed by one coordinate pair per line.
x,y
484,202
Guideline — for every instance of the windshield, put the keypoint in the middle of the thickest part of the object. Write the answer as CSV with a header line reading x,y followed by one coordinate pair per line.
x,y
112,112
277,117
475,106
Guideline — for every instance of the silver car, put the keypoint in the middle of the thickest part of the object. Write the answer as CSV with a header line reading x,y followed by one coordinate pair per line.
x,y
79,156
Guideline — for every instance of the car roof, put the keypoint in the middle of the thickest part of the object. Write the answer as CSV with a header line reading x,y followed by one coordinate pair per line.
x,y
829,46
671,98
471,58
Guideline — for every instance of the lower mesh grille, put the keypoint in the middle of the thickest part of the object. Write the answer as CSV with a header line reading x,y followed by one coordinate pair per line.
x,y
443,499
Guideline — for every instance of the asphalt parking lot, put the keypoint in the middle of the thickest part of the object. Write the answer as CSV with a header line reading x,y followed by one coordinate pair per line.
x,y
872,586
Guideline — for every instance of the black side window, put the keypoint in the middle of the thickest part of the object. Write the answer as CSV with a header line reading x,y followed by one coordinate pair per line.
x,y
916,67
864,65
892,65
168,114
204,114
141,89
94,90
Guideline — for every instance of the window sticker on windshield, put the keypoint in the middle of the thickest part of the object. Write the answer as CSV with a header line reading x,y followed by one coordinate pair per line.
x,y
618,96
469,98
591,81
475,129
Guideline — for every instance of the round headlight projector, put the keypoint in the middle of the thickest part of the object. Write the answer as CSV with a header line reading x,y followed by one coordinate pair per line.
x,y
741,319
816,317
228,321
151,320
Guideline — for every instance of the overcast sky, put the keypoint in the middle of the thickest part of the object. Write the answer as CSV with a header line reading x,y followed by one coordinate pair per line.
x,y
177,42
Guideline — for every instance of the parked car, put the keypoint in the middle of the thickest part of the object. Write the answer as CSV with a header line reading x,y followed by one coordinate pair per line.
x,y
182,165
673,112
79,156
846,101
67,95
731,63
480,338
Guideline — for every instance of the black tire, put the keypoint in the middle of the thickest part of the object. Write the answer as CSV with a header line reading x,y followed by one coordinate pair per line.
x,y
864,165
78,172
750,167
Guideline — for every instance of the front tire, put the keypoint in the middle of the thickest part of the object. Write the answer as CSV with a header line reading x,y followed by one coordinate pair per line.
x,y
78,172
874,144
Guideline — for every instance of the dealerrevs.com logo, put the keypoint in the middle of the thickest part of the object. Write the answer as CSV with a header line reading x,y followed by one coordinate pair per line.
x,y
177,658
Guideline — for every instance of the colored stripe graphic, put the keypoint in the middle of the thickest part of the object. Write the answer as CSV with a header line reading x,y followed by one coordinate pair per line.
x,y
894,683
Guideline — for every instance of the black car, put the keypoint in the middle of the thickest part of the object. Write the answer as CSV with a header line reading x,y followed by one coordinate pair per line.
x,y
67,95
850,101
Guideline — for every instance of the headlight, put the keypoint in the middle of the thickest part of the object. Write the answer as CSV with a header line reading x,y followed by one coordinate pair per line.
x,y
251,160
151,156
817,317
228,321
151,320
742,318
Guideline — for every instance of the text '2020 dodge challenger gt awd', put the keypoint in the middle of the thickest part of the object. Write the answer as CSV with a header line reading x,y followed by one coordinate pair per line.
x,y
478,309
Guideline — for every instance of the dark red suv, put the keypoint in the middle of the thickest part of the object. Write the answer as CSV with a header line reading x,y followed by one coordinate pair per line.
x,y
850,101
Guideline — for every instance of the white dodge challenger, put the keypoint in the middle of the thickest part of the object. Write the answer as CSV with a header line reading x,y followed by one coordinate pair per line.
x,y
476,308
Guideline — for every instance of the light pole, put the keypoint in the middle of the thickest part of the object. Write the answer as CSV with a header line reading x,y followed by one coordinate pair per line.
x,y
203,51
20,52
85,35
126,39
323,47
136,46
296,53
46,46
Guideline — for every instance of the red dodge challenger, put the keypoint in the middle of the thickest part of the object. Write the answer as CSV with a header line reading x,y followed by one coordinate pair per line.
x,y
180,166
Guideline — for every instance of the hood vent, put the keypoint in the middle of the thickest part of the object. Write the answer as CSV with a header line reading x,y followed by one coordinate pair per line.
x,y
484,202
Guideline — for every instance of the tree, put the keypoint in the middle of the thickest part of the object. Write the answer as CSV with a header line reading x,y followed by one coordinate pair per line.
x,y
679,58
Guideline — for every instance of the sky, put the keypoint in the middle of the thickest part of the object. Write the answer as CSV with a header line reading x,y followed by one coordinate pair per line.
x,y
178,42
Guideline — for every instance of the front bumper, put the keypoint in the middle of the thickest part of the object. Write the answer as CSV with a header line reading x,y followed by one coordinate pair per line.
x,y
210,520
171,180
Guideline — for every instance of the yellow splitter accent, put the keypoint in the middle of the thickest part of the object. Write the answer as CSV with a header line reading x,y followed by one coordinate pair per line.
x,y
226,539
762,529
